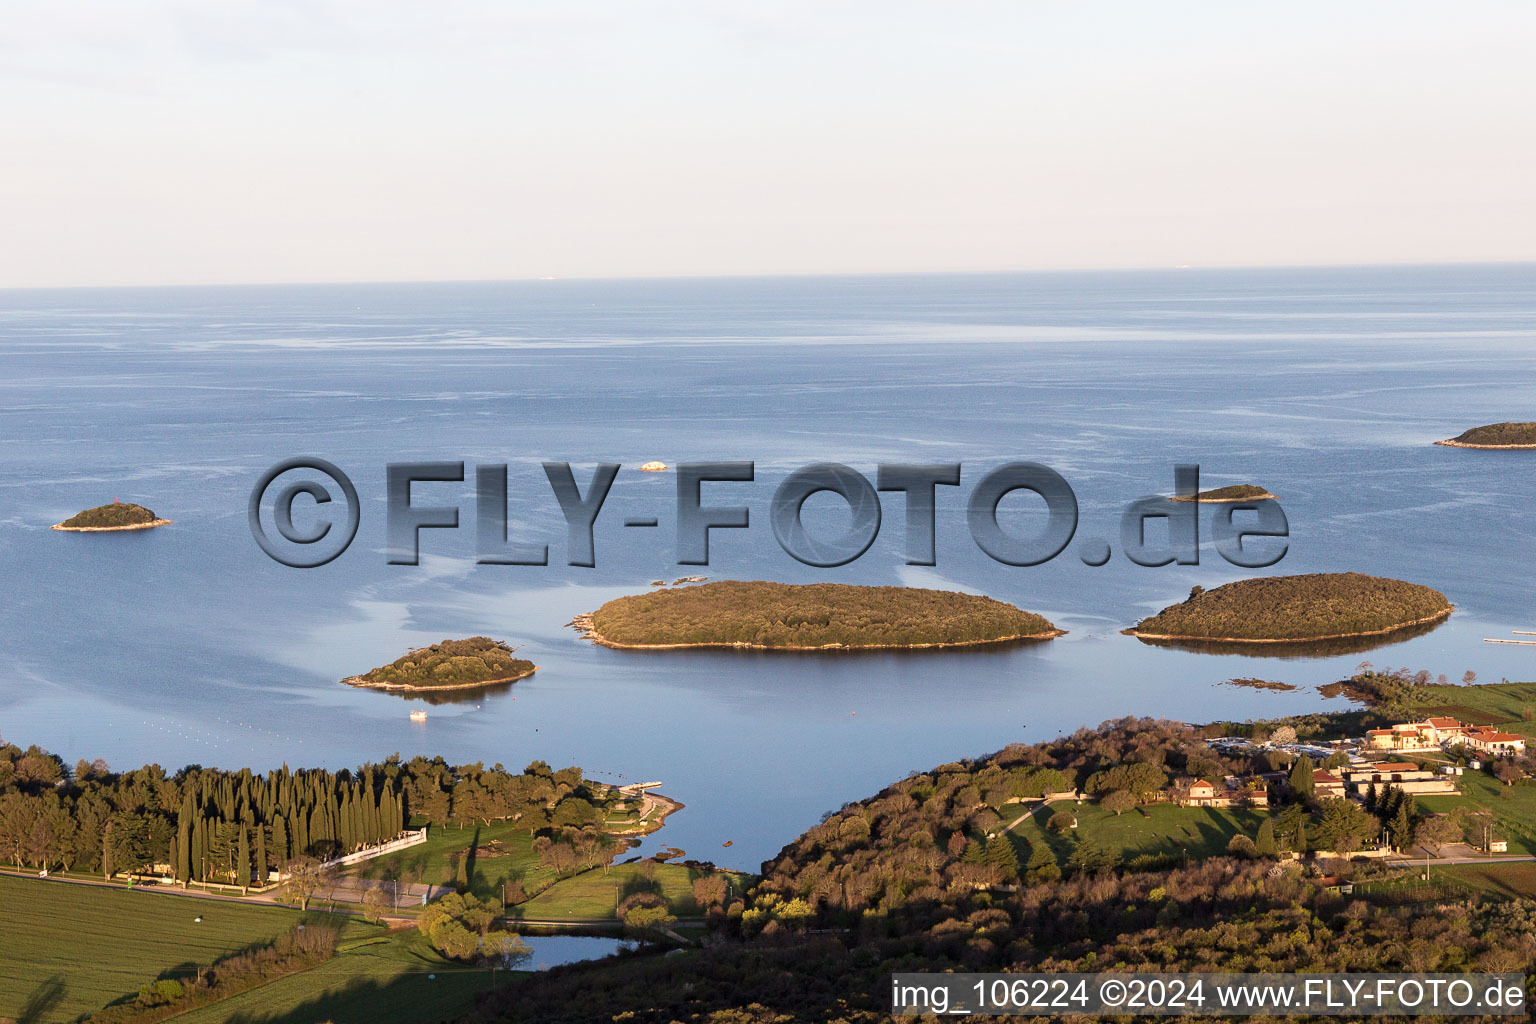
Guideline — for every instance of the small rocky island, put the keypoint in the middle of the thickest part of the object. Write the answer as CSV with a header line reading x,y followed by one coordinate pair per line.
x,y
1230,493
1295,610
815,616
449,665
120,515
1495,435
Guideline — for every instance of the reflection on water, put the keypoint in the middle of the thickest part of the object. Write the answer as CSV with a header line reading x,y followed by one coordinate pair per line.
x,y
1309,649
471,695
554,950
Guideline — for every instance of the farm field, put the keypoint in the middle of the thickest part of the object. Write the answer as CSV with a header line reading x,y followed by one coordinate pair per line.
x,y
67,950
393,979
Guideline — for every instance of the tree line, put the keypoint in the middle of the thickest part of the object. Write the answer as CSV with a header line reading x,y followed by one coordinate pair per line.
x,y
235,827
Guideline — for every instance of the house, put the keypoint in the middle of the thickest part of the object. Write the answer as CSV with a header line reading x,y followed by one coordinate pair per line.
x,y
1430,734
1408,777
1191,792
1325,784
1249,791
1490,740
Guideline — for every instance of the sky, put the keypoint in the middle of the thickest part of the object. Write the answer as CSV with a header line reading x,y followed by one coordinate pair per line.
x,y
221,141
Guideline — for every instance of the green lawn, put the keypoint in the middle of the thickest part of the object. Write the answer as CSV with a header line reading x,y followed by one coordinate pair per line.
x,y
1513,806
435,861
1154,829
399,980
1507,703
593,895
66,950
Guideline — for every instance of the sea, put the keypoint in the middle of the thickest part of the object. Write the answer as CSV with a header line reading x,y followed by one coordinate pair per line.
x,y
189,645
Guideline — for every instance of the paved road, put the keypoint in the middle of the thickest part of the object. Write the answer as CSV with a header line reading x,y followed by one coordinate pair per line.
x,y
1435,862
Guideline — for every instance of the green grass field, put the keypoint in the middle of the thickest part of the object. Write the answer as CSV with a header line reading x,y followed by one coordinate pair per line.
x,y
435,861
399,980
1504,703
66,950
593,895
1513,806
1155,829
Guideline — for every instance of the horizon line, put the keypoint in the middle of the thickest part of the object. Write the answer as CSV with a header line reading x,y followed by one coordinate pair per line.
x,y
770,275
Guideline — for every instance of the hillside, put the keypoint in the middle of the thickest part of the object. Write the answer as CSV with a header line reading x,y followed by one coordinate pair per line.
x,y
784,616
1495,435
944,871
1315,606
451,664
116,516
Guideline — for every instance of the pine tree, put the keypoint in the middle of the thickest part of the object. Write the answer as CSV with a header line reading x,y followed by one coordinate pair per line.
x,y
999,854
1042,866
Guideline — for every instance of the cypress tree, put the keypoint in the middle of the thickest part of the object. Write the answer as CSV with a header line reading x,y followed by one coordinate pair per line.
x,y
196,852
261,856
1264,843
461,874
1402,827
243,860
280,841
183,859
1301,778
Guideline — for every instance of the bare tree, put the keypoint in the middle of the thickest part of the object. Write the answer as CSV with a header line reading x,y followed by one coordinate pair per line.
x,y
305,878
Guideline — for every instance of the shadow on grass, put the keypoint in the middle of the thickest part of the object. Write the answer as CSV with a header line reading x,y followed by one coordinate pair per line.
x,y
42,1000
440,995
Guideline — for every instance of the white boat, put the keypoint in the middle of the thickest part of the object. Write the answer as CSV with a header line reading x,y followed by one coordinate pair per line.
x,y
418,716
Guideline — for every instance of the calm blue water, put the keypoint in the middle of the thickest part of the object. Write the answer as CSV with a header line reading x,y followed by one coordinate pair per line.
x,y
186,644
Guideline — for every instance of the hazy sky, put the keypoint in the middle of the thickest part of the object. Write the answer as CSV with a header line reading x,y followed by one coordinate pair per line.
x,y
342,140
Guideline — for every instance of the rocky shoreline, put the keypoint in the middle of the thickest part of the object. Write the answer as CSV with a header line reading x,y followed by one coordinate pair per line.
x,y
110,529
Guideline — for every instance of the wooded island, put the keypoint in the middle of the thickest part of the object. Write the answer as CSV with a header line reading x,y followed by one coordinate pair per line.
x,y
1296,609
783,616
